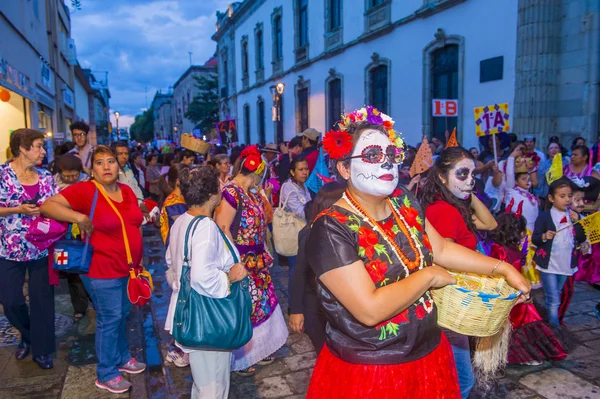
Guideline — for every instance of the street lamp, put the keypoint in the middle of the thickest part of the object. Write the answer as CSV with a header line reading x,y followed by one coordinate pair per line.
x,y
117,119
277,93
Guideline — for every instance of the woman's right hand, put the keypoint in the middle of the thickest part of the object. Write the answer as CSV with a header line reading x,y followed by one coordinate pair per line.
x,y
297,322
439,276
28,209
85,224
237,273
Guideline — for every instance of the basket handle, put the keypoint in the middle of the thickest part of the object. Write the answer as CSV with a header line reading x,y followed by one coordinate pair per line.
x,y
500,284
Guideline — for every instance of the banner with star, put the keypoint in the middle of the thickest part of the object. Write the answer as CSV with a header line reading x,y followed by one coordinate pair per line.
x,y
492,119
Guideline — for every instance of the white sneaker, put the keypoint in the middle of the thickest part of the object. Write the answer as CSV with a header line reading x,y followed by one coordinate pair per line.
x,y
533,363
178,357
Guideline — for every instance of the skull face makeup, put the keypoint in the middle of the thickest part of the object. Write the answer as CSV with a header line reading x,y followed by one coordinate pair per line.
x,y
379,179
461,179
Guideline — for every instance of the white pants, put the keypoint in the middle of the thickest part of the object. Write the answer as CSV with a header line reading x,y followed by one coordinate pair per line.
x,y
211,373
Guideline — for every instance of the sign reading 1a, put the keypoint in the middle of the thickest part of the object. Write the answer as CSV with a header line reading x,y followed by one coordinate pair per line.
x,y
492,119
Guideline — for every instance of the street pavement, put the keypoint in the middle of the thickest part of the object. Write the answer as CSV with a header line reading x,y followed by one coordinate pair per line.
x,y
74,367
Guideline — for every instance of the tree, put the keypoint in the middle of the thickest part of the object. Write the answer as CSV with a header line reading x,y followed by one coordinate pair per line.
x,y
204,108
142,129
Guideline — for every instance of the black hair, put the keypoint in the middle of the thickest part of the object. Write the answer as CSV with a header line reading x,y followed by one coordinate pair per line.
x,y
66,147
585,151
220,150
217,159
435,189
574,143
84,127
134,155
509,231
295,161
312,142
198,184
557,185
187,154
69,162
118,144
296,141
328,195
167,159
150,156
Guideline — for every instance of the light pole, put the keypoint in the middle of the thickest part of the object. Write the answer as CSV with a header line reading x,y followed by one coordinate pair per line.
x,y
277,93
117,119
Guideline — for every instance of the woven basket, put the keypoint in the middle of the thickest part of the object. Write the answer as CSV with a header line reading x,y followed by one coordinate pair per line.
x,y
476,305
194,144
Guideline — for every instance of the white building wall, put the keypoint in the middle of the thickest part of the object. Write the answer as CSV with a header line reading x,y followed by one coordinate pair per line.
x,y
485,36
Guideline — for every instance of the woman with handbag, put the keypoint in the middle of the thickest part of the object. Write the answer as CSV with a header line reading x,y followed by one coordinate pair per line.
x,y
23,188
294,197
114,234
213,268
241,216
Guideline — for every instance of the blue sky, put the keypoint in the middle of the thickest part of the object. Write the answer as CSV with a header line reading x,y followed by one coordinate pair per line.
x,y
143,44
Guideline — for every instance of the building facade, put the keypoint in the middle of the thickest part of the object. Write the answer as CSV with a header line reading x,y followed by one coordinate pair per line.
x,y
163,115
399,55
184,91
27,89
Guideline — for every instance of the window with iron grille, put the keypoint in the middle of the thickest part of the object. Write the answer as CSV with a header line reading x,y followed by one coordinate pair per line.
x,y
378,96
444,73
334,102
302,23
302,111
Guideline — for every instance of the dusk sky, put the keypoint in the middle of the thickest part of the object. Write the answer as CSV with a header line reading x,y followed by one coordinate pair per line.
x,y
143,44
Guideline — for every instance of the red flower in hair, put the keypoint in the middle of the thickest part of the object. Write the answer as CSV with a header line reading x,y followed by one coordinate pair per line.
x,y
251,158
338,144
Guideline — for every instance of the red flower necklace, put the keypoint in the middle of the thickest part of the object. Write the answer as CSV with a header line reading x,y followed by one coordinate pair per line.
x,y
416,263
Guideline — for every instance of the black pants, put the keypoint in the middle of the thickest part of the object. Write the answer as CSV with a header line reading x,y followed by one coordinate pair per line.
x,y
79,296
314,320
39,329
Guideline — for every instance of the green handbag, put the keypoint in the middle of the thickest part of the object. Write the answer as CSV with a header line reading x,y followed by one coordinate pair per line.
x,y
210,323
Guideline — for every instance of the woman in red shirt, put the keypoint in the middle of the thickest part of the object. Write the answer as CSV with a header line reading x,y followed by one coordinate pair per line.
x,y
456,213
106,281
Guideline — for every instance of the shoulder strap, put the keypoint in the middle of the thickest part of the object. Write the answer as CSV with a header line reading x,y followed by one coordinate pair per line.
x,y
191,228
125,239
289,195
92,211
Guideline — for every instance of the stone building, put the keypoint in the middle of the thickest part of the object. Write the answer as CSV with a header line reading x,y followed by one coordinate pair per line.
x,y
184,91
163,116
399,55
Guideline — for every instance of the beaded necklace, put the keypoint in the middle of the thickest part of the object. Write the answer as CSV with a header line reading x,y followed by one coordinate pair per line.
x,y
408,264
530,197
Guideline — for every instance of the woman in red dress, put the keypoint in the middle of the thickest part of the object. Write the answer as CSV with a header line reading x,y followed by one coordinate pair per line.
x,y
373,258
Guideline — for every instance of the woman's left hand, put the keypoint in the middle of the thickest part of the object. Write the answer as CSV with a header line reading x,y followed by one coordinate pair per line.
x,y
516,280
268,189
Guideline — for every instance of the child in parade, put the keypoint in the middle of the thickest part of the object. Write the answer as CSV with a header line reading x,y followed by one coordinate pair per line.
x,y
532,341
556,242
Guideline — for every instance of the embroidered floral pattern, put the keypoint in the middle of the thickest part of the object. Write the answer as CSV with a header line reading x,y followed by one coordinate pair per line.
x,y
13,245
381,261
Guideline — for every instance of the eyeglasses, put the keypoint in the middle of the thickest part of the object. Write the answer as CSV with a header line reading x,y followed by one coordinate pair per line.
x,y
77,135
375,154
70,177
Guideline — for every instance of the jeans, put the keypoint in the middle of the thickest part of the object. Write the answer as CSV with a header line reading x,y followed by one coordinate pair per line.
x,y
462,358
292,262
36,321
109,297
553,285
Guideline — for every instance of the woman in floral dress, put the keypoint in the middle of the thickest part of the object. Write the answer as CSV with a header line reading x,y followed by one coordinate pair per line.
x,y
241,216
373,254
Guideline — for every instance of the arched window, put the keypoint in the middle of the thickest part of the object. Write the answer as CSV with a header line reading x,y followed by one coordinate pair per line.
x,y
444,79
378,93
334,102
262,136
247,134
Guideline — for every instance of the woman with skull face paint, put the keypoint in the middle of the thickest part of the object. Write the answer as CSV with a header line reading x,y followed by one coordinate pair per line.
x,y
372,253
457,214
521,173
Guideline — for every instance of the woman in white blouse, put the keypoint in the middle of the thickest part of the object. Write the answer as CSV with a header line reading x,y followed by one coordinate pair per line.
x,y
212,272
294,197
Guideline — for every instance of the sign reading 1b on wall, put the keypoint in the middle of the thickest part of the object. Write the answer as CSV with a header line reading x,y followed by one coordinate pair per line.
x,y
492,119
444,107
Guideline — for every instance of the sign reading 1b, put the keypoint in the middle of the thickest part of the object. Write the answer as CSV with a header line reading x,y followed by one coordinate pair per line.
x,y
440,107
492,119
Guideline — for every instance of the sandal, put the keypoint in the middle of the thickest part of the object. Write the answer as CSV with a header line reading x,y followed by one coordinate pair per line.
x,y
247,372
266,361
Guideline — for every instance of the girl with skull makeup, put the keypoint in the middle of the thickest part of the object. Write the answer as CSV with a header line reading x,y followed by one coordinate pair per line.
x,y
457,214
372,253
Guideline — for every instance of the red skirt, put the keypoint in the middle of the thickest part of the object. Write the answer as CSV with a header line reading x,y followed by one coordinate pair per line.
x,y
431,377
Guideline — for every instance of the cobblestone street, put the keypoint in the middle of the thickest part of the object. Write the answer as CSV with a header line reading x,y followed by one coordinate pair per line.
x,y
74,372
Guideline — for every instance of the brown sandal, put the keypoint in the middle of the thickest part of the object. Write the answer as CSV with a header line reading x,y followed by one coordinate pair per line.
x,y
247,372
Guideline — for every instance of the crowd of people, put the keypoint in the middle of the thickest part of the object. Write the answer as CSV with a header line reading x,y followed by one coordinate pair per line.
x,y
375,240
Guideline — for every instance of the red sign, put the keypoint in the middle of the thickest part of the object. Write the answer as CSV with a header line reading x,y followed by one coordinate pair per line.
x,y
444,107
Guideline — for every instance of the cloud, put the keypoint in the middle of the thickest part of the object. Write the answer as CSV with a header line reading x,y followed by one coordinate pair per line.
x,y
143,44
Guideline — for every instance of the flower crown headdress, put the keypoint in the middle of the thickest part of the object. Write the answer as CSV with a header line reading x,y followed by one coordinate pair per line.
x,y
252,160
338,144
